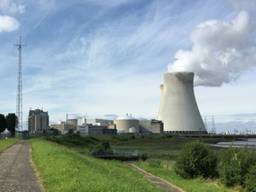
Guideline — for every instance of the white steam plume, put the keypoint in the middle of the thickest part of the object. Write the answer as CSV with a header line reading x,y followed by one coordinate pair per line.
x,y
220,52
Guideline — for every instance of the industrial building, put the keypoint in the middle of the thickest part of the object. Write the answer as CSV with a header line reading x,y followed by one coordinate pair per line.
x,y
38,121
178,108
151,126
99,122
59,126
127,124
71,124
93,130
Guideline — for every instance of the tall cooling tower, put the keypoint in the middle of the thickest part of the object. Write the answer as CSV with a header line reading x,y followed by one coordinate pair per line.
x,y
178,108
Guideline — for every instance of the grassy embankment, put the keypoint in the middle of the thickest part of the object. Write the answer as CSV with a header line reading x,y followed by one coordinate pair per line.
x,y
58,165
5,143
64,169
162,154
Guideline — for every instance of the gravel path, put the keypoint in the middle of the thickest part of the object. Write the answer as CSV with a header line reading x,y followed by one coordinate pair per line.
x,y
160,182
16,172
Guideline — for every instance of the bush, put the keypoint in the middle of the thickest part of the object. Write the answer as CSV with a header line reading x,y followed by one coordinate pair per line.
x,y
234,164
101,149
250,182
196,159
144,156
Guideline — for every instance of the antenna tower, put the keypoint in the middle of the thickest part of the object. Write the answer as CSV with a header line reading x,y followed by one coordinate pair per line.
x,y
19,112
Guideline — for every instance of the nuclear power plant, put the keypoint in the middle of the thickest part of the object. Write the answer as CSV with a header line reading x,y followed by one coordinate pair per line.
x,y
178,108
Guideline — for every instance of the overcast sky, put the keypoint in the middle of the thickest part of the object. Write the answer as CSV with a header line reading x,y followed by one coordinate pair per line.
x,y
99,57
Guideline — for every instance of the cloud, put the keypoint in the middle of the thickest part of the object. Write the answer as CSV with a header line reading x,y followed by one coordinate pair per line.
x,y
248,5
8,24
221,51
11,7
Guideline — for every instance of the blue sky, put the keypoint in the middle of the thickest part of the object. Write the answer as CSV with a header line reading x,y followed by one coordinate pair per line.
x,y
99,57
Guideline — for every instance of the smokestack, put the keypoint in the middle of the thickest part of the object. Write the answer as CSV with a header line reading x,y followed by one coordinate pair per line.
x,y
178,108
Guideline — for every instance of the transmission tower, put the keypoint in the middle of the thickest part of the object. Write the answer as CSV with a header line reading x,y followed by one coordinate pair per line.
x,y
19,87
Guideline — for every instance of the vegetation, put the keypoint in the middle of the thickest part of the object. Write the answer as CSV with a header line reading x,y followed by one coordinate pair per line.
x,y
74,140
2,123
64,169
5,143
11,122
196,159
165,169
101,149
161,154
234,164
250,182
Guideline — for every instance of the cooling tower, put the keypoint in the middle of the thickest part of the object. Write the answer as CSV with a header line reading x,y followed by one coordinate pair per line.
x,y
178,109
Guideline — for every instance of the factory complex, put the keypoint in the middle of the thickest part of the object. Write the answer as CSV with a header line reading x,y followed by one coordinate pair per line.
x,y
178,114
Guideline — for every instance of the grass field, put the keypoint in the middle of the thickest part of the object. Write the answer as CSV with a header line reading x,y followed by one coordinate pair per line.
x,y
162,152
64,169
4,143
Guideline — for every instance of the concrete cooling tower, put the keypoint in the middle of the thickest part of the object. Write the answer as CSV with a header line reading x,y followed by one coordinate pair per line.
x,y
178,109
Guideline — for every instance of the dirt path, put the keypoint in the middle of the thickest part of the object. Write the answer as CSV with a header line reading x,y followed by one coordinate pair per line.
x,y
162,183
16,172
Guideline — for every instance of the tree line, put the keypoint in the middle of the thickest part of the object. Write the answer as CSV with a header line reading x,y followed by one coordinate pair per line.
x,y
8,122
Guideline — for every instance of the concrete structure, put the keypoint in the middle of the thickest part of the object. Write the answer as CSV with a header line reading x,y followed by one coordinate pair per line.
x,y
99,122
126,124
59,126
38,121
95,130
178,107
71,124
151,126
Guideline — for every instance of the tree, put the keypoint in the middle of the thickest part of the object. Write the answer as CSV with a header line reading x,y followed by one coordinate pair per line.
x,y
196,159
2,123
11,122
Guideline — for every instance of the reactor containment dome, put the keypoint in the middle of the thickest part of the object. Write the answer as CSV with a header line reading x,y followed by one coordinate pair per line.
x,y
178,108
127,124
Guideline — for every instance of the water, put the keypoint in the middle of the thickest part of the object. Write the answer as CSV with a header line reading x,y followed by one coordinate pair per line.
x,y
249,143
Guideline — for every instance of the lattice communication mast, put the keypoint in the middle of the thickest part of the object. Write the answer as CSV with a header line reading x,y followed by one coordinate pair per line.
x,y
19,112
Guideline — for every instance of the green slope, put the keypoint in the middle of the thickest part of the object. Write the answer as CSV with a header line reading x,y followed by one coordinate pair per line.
x,y
63,169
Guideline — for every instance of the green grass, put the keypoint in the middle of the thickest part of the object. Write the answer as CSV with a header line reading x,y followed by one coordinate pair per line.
x,y
5,143
161,150
157,147
63,169
165,170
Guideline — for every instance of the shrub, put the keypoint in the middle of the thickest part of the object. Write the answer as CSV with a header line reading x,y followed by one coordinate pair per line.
x,y
229,168
250,182
144,156
101,149
196,159
234,164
